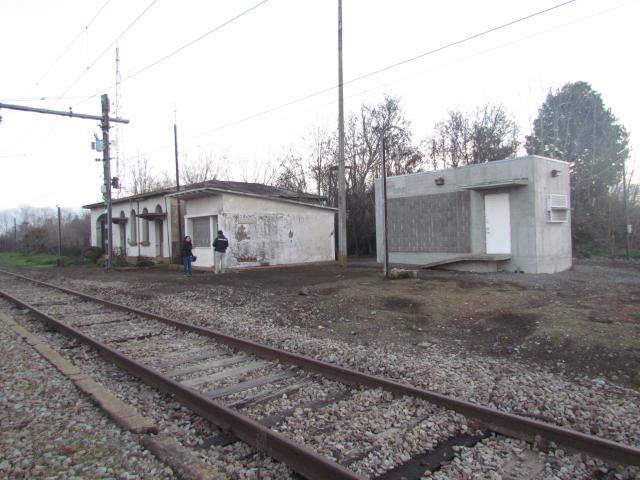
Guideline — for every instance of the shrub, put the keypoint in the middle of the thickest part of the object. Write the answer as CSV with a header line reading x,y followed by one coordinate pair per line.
x,y
92,254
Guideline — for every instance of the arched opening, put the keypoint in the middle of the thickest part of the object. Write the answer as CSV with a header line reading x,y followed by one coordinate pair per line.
x,y
145,227
123,233
101,232
133,228
159,233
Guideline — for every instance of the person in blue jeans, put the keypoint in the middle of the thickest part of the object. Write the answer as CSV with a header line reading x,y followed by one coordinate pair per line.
x,y
187,253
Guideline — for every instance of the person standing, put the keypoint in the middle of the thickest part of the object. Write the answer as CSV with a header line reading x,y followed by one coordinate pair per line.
x,y
187,253
220,245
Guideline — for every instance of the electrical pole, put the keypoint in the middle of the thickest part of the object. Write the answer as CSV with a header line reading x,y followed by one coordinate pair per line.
x,y
175,142
59,234
342,194
627,225
107,178
15,234
104,118
384,193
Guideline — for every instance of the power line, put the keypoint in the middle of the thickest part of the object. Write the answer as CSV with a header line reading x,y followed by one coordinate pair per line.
x,y
375,72
169,55
109,48
389,67
68,47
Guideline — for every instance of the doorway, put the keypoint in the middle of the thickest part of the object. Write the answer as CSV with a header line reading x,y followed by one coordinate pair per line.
x,y
497,214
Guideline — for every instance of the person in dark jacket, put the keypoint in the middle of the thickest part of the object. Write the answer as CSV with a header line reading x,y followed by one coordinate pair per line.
x,y
220,245
187,253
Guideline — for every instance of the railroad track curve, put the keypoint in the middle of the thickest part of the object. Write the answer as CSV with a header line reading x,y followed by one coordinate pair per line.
x,y
232,382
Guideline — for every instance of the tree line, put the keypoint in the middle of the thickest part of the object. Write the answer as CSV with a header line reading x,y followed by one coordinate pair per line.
x,y
573,124
35,230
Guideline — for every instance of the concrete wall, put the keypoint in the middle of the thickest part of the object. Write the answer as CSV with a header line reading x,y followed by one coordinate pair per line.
x,y
537,246
263,231
553,240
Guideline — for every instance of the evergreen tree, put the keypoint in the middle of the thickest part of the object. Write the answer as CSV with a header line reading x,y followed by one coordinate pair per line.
x,y
574,125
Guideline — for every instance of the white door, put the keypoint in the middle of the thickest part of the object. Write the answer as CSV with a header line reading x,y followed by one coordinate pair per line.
x,y
497,222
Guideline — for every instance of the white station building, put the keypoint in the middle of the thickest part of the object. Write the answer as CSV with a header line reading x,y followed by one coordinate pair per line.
x,y
265,225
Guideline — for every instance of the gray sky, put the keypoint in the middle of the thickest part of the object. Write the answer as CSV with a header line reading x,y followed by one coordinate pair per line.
x,y
279,52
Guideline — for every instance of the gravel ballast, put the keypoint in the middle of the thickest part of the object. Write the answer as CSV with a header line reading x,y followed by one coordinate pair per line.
x,y
50,430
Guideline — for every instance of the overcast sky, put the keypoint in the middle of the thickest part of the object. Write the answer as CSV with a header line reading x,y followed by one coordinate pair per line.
x,y
61,54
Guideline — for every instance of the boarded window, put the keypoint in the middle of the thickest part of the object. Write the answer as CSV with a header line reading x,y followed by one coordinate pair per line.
x,y
201,232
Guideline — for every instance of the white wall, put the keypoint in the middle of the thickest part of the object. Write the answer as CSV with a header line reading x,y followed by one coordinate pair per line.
x,y
157,243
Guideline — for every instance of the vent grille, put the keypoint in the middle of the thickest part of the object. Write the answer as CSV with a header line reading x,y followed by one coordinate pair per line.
x,y
557,208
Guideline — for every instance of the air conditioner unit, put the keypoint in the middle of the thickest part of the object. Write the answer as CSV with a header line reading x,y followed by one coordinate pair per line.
x,y
557,208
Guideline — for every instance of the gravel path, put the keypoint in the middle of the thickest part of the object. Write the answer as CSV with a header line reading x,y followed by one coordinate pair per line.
x,y
50,430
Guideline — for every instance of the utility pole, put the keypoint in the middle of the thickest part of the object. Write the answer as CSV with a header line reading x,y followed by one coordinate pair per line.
x,y
15,234
342,194
104,118
107,177
59,233
627,225
384,193
175,142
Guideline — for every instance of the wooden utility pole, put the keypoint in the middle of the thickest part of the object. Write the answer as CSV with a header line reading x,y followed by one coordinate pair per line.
x,y
175,143
342,193
59,233
627,225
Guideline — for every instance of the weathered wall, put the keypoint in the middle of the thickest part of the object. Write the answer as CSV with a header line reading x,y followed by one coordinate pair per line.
x,y
263,231
527,214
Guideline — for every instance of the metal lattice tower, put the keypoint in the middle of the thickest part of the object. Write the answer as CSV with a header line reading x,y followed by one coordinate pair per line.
x,y
119,171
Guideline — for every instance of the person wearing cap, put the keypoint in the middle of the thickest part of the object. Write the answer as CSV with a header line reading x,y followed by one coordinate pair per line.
x,y
220,245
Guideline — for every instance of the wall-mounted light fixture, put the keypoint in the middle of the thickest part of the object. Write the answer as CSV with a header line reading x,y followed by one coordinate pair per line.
x,y
439,180
555,173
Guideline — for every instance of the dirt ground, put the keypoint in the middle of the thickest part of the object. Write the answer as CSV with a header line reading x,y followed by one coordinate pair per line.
x,y
584,321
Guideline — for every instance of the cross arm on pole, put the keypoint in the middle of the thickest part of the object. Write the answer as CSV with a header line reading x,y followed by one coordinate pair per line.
x,y
60,112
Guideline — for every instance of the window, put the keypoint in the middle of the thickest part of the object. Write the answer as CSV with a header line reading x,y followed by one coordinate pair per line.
x,y
133,230
145,227
201,233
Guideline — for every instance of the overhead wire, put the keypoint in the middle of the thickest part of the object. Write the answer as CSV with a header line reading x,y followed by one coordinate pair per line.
x,y
178,50
389,67
383,69
68,47
97,59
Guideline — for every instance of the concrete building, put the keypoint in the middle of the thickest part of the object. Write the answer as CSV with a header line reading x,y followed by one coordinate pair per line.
x,y
510,215
265,225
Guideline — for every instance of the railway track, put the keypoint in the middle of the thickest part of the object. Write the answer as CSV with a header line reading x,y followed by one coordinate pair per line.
x,y
322,420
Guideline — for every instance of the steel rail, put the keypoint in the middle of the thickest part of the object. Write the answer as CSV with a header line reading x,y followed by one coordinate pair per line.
x,y
506,423
300,458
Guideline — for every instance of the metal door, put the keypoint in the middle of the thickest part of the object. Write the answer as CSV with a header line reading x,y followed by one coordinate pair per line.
x,y
497,222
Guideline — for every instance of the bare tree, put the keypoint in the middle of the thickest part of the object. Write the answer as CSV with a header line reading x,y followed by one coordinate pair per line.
x,y
252,171
291,173
490,133
143,180
207,166
321,156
